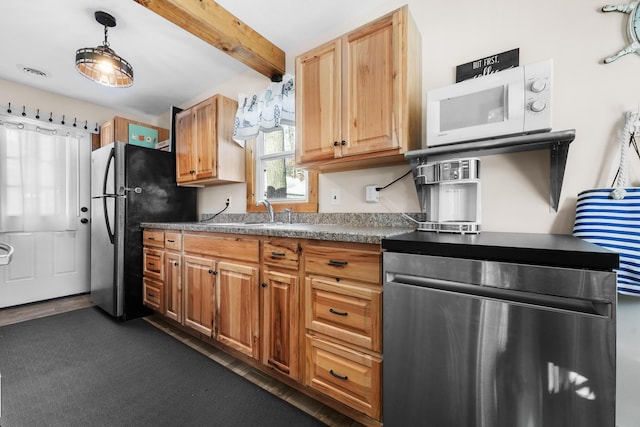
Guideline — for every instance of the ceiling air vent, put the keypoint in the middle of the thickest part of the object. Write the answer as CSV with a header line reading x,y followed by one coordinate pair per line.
x,y
32,71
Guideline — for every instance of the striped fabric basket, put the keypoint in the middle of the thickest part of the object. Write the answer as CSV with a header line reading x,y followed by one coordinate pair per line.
x,y
615,225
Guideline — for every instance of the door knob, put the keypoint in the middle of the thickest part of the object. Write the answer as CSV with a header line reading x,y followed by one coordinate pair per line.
x,y
84,220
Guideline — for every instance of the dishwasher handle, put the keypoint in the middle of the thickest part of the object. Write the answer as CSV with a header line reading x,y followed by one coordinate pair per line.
x,y
542,301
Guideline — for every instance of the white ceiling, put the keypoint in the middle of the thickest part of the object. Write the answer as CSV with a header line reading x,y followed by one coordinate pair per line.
x,y
171,66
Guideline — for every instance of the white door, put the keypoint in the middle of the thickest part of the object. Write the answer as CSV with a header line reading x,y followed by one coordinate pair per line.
x,y
49,260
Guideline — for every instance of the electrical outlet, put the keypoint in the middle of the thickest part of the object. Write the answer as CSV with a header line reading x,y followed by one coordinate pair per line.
x,y
371,194
335,196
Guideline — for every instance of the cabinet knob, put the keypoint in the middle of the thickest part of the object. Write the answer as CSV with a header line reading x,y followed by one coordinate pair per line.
x,y
192,172
264,285
343,142
213,272
335,143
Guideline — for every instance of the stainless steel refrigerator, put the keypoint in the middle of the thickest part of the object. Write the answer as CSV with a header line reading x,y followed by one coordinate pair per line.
x,y
129,185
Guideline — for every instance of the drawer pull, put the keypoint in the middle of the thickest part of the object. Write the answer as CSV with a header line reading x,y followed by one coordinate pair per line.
x,y
340,377
151,238
277,254
150,295
335,263
171,241
338,313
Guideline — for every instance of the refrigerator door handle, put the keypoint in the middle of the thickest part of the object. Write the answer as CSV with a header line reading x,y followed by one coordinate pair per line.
x,y
112,156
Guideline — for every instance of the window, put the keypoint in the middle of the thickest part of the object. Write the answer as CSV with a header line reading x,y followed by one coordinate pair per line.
x,y
276,176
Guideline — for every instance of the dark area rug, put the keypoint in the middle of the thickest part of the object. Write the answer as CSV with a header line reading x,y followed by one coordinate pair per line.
x,y
82,368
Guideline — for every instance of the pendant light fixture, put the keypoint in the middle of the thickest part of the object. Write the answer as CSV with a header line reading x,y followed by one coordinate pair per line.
x,y
101,64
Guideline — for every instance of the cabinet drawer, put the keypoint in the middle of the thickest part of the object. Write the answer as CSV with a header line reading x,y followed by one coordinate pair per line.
x,y
226,247
173,241
348,376
153,295
153,238
282,253
153,263
344,263
346,311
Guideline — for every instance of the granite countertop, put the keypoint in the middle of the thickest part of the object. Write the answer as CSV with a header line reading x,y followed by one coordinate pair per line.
x,y
355,229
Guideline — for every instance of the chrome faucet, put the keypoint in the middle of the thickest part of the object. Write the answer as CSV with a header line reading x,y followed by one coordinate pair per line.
x,y
267,205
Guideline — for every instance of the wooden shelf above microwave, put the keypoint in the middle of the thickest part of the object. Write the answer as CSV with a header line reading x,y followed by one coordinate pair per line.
x,y
556,142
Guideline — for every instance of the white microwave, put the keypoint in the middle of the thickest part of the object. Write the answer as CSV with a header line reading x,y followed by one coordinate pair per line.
x,y
510,102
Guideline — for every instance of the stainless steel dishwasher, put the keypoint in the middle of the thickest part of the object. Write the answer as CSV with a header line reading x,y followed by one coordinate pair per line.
x,y
473,342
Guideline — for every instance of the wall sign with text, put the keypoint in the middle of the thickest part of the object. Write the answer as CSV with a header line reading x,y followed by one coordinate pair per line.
x,y
489,65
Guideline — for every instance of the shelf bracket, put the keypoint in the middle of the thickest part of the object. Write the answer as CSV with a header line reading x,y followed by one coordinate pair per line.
x,y
558,154
556,142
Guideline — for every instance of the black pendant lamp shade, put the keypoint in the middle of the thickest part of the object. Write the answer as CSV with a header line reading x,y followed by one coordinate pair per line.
x,y
101,64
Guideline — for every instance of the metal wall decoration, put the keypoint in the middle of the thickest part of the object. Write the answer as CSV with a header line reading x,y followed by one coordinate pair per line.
x,y
25,112
633,27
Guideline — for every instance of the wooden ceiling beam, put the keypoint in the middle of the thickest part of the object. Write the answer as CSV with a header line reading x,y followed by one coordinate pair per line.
x,y
215,25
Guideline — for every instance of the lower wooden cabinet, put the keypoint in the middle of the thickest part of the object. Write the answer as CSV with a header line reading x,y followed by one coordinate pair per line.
x,y
173,286
346,375
153,294
198,275
345,310
280,314
306,309
237,307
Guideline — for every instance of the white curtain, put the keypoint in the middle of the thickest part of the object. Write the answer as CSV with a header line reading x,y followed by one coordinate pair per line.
x,y
265,111
38,179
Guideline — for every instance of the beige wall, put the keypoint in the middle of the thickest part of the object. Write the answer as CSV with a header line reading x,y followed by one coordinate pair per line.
x,y
589,97
49,102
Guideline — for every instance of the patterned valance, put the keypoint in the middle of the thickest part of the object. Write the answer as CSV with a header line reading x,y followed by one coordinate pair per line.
x,y
265,111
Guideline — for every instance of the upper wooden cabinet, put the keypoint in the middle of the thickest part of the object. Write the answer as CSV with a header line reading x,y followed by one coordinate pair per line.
x,y
205,151
117,129
359,98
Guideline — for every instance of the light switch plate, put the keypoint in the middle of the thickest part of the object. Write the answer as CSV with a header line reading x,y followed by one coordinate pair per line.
x,y
335,196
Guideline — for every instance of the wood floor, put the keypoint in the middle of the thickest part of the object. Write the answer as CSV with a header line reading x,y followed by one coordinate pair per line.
x,y
25,312
312,407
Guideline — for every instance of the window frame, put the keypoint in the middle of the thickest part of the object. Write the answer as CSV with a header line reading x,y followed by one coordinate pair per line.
x,y
251,161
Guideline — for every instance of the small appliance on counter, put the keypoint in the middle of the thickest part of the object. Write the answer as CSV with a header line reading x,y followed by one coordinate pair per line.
x,y
449,195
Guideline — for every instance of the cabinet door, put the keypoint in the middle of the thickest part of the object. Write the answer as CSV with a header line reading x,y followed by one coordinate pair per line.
x,y
185,147
198,282
280,322
238,307
318,103
106,133
371,120
173,286
204,115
